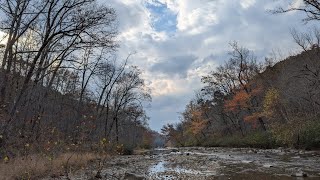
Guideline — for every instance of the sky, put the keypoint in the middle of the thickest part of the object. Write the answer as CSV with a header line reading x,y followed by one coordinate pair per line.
x,y
176,42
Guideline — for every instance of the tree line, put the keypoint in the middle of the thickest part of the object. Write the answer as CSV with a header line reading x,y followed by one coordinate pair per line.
x,y
61,82
247,102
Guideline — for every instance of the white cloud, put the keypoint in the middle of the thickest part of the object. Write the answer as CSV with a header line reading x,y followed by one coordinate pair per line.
x,y
164,86
247,3
204,29
297,3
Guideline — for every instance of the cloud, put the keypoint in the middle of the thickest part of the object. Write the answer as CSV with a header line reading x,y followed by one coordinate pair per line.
x,y
247,3
178,41
178,65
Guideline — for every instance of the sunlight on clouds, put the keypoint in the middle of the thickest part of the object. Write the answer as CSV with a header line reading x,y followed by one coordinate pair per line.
x,y
198,18
171,4
210,41
137,26
297,4
161,87
247,3
197,21
203,28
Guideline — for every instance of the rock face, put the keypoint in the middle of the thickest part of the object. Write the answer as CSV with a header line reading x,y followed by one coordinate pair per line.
x,y
132,176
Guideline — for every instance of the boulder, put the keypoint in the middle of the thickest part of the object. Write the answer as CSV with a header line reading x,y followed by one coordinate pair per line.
x,y
132,176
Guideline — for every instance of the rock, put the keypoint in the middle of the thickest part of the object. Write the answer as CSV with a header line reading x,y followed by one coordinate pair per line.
x,y
300,175
267,156
132,176
246,161
98,175
268,165
188,154
174,150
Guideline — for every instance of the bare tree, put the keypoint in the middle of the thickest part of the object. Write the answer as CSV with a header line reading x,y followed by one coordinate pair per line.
x,y
311,8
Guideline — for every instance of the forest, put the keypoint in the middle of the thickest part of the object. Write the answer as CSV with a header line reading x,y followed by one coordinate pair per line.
x,y
248,104
67,99
263,103
62,86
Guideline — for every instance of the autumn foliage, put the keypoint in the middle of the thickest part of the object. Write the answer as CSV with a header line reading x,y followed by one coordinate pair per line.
x,y
245,103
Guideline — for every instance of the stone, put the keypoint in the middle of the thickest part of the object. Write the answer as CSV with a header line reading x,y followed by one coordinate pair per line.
x,y
174,150
132,176
300,175
98,175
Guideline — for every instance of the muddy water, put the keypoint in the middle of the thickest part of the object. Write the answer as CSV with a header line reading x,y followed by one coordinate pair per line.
x,y
211,163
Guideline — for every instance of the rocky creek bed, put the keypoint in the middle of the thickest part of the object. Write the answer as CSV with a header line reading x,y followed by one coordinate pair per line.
x,y
207,163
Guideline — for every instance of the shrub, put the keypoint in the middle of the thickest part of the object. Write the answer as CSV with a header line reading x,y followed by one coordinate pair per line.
x,y
310,135
260,140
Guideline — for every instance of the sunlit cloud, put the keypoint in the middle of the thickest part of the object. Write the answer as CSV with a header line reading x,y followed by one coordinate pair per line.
x,y
166,33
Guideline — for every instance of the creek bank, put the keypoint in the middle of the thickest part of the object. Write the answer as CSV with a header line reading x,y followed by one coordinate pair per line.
x,y
209,163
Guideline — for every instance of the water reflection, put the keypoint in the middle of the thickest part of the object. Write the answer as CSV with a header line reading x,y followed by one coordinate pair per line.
x,y
167,171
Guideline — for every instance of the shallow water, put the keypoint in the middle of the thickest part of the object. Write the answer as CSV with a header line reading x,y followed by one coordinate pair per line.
x,y
225,163
163,170
210,163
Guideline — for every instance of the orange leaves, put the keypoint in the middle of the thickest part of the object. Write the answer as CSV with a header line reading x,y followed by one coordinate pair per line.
x,y
240,100
246,101
197,126
253,118
197,123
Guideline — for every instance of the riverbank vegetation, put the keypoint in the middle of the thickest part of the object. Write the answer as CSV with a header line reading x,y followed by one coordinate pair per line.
x,y
245,104
249,102
63,90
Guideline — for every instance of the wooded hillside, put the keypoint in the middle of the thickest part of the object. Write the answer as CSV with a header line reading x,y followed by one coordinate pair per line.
x,y
246,103
61,85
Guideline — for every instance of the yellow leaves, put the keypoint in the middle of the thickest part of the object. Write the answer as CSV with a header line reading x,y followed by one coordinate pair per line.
x,y
120,149
271,99
50,158
6,159
103,141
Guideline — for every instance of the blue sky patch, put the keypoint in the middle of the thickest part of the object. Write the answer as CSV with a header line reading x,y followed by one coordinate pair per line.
x,y
163,19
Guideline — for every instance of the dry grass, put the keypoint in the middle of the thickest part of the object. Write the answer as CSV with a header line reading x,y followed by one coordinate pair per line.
x,y
36,166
